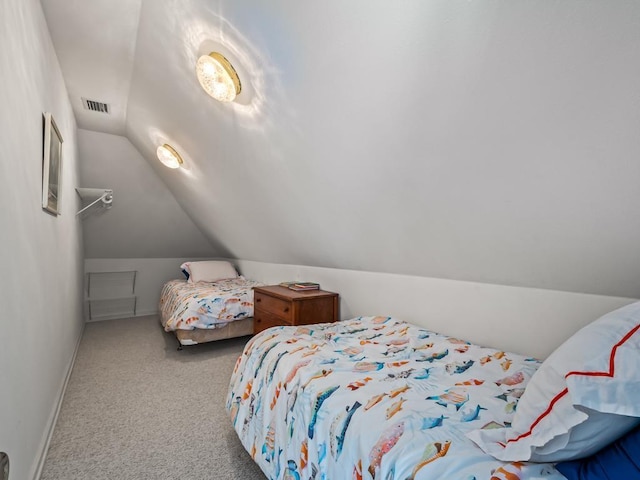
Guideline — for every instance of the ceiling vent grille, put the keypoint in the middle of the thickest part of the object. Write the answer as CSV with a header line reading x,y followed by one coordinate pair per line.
x,y
95,106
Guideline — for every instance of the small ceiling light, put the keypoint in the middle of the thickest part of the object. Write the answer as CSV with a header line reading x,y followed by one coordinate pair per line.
x,y
218,77
168,156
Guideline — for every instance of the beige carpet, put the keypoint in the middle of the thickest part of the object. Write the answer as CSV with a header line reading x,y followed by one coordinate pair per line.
x,y
135,408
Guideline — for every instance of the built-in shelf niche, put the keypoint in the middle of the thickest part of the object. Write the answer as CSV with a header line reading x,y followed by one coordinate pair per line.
x,y
111,295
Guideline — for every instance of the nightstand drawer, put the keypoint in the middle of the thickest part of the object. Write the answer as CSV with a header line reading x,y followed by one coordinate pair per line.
x,y
263,320
275,306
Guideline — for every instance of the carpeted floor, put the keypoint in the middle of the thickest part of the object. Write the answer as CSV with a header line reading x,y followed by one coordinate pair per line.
x,y
135,408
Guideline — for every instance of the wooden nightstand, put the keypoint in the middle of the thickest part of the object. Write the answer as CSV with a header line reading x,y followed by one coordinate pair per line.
x,y
276,305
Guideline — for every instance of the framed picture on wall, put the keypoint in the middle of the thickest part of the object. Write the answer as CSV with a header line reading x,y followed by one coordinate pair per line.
x,y
51,166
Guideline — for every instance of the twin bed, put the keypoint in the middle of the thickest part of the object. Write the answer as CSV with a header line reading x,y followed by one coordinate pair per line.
x,y
378,398
212,303
374,398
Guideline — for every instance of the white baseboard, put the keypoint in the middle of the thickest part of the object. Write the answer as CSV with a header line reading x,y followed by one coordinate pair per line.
x,y
54,419
120,317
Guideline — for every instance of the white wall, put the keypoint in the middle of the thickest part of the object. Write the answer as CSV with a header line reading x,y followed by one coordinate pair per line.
x,y
145,221
489,141
104,57
40,254
152,273
524,320
519,319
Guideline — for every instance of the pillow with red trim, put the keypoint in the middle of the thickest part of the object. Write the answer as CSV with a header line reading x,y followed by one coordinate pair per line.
x,y
583,397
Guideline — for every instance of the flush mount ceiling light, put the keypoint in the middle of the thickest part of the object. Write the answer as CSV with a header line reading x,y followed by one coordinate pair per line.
x,y
168,156
218,77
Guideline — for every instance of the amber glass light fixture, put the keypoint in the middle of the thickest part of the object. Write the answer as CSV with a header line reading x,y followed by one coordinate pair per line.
x,y
218,77
168,156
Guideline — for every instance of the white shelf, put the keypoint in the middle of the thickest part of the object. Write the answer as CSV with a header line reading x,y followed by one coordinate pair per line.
x,y
111,295
92,193
112,308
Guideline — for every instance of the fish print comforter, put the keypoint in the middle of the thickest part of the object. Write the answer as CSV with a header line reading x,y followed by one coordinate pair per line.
x,y
375,398
185,306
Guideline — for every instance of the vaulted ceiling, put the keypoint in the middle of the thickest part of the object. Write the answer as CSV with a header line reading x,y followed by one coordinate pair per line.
x,y
477,140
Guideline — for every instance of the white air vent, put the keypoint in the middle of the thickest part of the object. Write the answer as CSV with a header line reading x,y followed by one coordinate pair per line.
x,y
95,106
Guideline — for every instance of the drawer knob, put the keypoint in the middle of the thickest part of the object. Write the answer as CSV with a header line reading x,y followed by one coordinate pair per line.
x,y
286,309
258,300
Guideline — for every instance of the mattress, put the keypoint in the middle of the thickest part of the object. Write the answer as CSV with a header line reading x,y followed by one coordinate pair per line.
x,y
375,398
205,305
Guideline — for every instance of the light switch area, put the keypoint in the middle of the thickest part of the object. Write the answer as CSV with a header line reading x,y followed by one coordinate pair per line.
x,y
4,466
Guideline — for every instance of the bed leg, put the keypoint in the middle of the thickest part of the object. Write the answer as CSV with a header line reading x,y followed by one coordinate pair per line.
x,y
179,346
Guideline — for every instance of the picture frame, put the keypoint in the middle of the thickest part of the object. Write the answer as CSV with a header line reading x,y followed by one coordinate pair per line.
x,y
51,166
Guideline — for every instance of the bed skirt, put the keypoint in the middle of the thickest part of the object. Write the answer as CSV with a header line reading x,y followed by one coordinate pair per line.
x,y
238,328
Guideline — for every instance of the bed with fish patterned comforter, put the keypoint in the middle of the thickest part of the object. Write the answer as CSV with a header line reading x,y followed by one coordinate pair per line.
x,y
186,306
375,398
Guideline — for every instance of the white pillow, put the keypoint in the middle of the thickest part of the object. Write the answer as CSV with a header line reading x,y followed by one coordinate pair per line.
x,y
584,396
209,271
